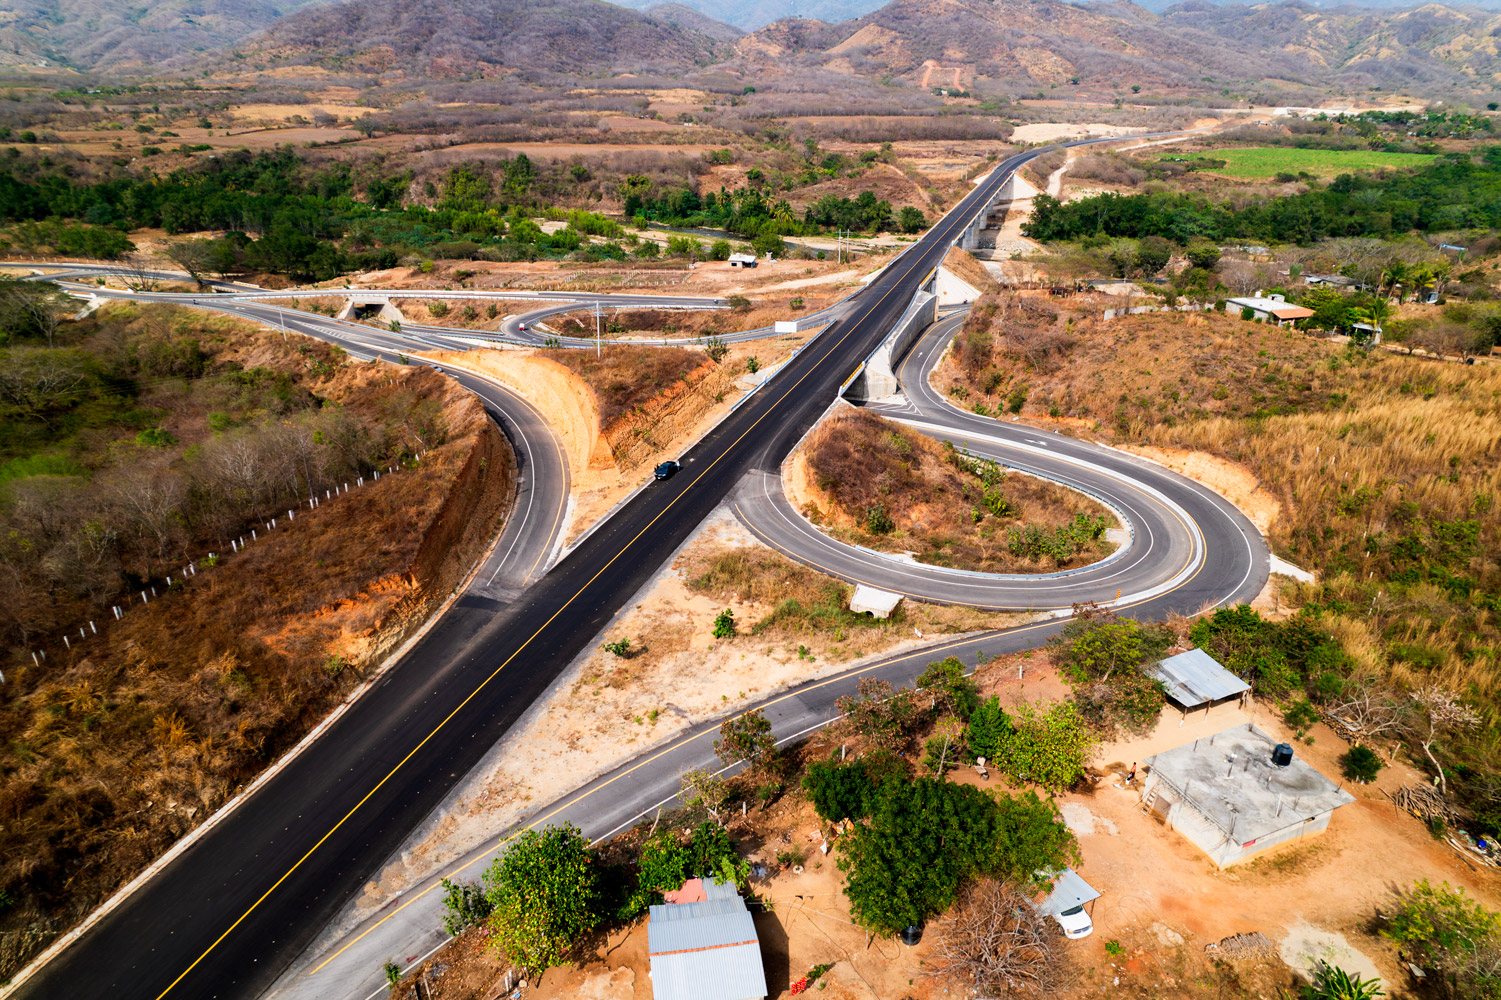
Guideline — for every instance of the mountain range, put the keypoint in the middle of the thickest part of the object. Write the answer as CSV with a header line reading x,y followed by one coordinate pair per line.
x,y
995,46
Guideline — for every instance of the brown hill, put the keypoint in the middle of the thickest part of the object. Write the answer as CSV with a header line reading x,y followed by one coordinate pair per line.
x,y
1025,43
445,39
99,34
1195,47
687,17
1430,45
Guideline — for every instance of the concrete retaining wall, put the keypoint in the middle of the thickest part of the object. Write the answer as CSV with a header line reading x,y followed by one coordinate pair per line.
x,y
878,377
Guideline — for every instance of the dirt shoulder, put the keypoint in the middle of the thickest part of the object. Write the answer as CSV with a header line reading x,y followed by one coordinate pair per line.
x,y
794,625
872,482
128,741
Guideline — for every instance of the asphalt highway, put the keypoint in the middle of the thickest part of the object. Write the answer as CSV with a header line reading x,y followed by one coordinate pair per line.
x,y
231,911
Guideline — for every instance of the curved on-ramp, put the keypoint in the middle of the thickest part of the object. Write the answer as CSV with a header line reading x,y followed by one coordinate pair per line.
x,y
1180,534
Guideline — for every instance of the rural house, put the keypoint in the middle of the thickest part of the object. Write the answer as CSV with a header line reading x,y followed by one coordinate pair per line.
x,y
703,946
1270,308
1238,793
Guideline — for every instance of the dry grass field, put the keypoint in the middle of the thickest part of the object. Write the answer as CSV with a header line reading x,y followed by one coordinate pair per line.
x,y
1386,468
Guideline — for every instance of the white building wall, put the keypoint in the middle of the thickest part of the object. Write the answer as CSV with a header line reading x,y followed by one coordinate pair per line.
x,y
1199,831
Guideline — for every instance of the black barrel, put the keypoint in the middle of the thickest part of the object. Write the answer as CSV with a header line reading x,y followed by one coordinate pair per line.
x,y
1283,754
911,934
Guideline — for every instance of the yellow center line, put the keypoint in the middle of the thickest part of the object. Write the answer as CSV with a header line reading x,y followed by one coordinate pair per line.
x,y
543,627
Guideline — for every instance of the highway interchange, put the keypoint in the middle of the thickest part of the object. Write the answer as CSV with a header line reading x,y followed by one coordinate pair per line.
x,y
244,900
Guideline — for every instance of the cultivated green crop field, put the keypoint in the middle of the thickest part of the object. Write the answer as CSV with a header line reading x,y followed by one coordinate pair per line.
x,y
1260,163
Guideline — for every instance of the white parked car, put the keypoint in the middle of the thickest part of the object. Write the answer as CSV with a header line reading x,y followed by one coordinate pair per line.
x,y
1075,923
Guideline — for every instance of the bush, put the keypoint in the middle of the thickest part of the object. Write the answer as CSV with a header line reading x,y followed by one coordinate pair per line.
x,y
724,624
1047,748
1360,764
747,737
464,905
949,687
619,647
878,521
988,729
1453,938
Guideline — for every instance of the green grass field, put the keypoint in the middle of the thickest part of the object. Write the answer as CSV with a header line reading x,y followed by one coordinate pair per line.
x,y
1261,163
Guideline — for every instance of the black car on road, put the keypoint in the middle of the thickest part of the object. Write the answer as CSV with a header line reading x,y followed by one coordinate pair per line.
x,y
666,470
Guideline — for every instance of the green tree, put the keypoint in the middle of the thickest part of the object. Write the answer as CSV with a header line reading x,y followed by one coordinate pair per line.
x,y
545,895
988,729
719,250
1047,748
912,220
884,715
668,860
747,737
1152,255
769,245
927,837
945,682
840,791
464,905
1360,764
1203,254
1095,646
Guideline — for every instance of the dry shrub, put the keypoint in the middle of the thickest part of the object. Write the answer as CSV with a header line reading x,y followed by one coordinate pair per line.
x,y
993,943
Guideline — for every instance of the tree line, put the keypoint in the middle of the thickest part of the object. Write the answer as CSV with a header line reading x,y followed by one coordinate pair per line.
x,y
1457,191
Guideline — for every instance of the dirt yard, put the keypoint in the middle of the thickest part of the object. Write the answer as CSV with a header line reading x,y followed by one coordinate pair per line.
x,y
1162,900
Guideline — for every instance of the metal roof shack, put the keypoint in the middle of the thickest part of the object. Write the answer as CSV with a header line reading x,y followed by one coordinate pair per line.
x,y
1195,678
1229,795
705,950
1069,891
742,260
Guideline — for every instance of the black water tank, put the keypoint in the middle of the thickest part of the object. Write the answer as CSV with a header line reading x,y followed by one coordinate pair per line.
x,y
1283,754
911,934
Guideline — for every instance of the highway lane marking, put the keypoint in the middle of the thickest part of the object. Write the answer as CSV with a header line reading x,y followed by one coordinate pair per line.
x,y
770,409
813,367
926,651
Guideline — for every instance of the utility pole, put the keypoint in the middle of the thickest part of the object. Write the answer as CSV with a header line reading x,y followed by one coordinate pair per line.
x,y
598,315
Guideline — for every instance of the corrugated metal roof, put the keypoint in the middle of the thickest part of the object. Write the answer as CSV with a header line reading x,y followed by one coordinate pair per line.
x,y
1195,677
1069,891
706,950
713,922
715,889
733,973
